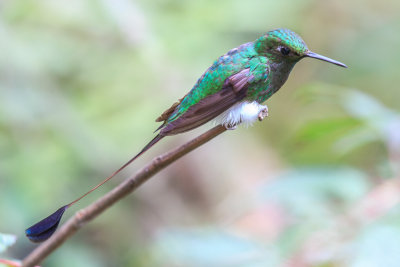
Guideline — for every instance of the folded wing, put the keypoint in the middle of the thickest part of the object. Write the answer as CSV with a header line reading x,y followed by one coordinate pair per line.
x,y
233,91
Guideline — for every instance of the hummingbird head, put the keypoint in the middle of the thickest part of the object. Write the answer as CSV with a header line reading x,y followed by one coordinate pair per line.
x,y
284,45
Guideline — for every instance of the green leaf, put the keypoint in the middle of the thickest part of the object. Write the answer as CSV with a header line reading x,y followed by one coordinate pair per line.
x,y
320,137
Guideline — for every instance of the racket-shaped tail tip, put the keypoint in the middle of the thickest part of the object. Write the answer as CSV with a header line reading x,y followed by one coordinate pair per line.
x,y
42,230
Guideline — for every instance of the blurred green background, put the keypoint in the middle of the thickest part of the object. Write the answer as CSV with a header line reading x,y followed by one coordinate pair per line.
x,y
316,184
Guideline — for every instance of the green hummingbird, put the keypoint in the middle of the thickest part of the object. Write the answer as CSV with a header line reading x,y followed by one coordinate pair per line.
x,y
231,91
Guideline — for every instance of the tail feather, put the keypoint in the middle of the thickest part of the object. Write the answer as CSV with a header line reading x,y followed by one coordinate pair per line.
x,y
42,230
145,148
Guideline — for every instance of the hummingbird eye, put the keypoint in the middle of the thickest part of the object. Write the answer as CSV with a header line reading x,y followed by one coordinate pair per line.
x,y
284,50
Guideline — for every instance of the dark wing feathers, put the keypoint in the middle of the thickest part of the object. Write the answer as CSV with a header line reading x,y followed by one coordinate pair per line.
x,y
233,91
239,80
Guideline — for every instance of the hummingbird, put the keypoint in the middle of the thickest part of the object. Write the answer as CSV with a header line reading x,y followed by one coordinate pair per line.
x,y
232,92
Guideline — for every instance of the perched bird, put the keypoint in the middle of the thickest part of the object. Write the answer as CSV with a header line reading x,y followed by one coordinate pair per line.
x,y
231,91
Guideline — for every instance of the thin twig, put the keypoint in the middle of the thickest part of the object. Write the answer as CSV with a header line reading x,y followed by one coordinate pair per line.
x,y
92,211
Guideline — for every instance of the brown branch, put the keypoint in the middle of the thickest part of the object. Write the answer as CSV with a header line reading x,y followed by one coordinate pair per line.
x,y
92,211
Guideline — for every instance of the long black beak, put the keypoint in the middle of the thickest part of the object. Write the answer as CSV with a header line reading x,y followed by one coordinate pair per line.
x,y
327,59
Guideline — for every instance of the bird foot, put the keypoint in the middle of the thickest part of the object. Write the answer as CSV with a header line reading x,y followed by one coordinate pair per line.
x,y
263,113
229,126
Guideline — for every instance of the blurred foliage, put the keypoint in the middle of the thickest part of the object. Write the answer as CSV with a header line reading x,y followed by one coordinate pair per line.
x,y
6,241
317,184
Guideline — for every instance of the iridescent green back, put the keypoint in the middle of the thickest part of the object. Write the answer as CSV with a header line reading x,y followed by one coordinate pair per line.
x,y
213,79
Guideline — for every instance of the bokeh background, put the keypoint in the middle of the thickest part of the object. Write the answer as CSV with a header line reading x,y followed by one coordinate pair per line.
x,y
316,184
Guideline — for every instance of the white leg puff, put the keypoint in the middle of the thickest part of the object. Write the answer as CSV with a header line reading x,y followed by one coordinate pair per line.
x,y
242,113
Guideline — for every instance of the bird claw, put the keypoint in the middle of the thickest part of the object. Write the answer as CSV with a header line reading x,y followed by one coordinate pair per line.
x,y
263,113
229,126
